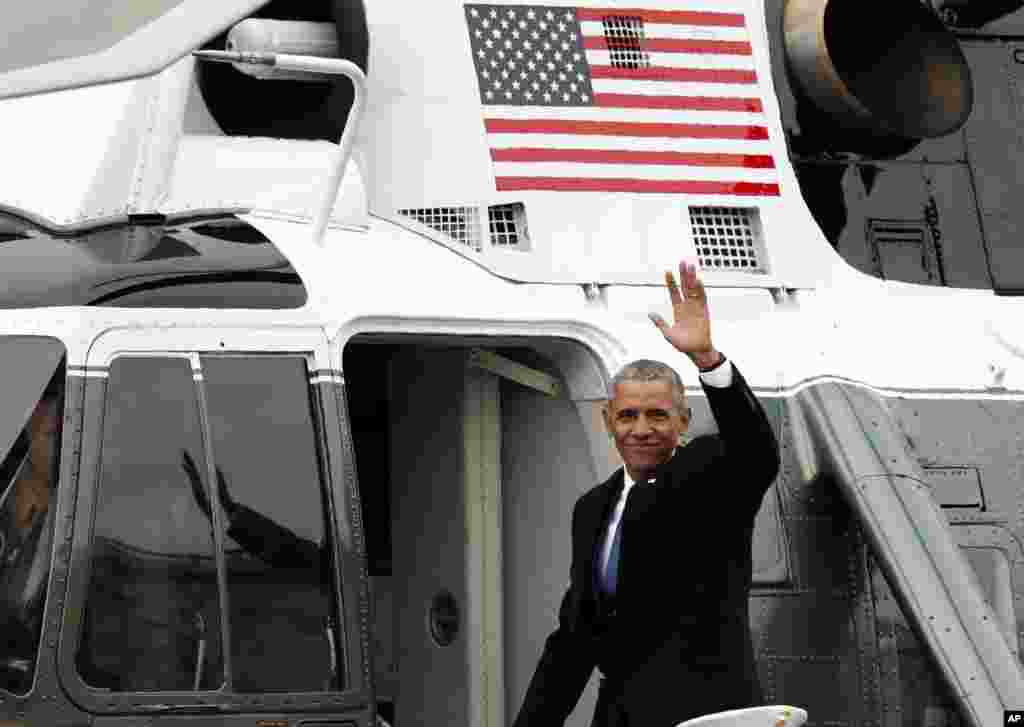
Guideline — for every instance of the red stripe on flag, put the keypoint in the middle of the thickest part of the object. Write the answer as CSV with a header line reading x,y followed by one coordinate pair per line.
x,y
687,103
624,128
662,186
681,17
608,156
662,73
679,45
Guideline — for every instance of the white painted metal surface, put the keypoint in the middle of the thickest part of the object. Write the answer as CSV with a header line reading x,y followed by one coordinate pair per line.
x,y
52,46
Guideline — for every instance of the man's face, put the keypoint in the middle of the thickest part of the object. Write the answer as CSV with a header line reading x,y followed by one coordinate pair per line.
x,y
646,424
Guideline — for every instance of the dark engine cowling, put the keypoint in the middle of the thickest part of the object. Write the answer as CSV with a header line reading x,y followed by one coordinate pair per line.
x,y
873,82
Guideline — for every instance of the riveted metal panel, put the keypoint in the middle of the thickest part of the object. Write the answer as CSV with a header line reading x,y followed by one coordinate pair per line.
x,y
770,551
985,437
811,623
825,686
821,549
995,154
835,640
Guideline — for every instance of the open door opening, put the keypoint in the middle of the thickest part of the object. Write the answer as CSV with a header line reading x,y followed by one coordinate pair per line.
x,y
467,479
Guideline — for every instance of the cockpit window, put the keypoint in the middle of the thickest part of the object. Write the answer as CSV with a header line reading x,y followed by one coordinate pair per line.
x,y
31,406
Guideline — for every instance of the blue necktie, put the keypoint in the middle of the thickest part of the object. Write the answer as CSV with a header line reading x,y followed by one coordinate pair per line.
x,y
610,577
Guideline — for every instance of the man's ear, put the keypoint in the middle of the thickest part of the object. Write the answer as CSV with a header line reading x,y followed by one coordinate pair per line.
x,y
606,415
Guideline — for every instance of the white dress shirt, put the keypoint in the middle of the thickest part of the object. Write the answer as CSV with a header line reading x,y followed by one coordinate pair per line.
x,y
720,378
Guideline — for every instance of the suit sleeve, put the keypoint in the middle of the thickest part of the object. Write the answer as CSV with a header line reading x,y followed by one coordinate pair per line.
x,y
565,663
751,451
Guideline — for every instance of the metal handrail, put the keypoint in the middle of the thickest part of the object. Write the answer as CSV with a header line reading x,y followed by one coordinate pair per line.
x,y
315,65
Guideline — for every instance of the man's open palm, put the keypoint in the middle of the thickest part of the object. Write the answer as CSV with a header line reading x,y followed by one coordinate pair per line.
x,y
691,330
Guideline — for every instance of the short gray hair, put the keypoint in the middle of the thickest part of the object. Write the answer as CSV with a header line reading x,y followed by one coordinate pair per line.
x,y
644,370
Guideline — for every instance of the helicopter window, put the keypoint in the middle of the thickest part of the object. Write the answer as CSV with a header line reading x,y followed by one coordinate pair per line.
x,y
29,463
152,615
278,557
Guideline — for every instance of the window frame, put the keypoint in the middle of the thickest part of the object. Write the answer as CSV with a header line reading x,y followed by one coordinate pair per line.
x,y
350,595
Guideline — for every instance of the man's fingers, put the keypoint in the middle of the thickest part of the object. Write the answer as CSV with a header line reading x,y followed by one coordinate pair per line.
x,y
688,275
659,322
222,484
673,289
692,285
187,463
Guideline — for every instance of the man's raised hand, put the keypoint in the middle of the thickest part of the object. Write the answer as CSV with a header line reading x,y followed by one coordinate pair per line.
x,y
690,332
192,472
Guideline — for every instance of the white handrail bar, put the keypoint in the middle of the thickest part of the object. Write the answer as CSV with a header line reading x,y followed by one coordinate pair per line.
x,y
318,65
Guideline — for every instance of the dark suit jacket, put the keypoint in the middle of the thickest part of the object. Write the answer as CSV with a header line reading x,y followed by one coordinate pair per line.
x,y
675,643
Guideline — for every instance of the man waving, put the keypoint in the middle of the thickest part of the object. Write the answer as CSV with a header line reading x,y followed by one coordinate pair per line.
x,y
661,563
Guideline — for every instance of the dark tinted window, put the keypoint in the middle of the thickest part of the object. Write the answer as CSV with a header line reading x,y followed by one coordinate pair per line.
x,y
152,610
219,262
261,291
279,559
30,439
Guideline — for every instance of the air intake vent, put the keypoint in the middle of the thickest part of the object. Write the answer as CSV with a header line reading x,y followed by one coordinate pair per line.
x,y
508,226
728,238
624,36
462,224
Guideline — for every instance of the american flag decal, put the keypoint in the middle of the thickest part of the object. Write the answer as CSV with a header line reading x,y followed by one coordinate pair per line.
x,y
620,100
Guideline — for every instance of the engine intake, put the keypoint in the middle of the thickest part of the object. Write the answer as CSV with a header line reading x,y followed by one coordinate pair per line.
x,y
897,73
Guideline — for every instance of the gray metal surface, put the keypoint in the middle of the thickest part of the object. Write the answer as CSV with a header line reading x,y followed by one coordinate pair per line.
x,y
995,149
865,453
50,46
835,637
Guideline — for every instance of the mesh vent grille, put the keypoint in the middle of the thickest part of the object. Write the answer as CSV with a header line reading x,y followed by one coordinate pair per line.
x,y
624,35
462,224
727,238
508,225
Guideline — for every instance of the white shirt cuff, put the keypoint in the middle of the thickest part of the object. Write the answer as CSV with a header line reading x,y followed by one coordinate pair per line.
x,y
720,378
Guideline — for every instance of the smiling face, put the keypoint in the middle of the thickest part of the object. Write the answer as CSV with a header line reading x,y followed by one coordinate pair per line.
x,y
646,422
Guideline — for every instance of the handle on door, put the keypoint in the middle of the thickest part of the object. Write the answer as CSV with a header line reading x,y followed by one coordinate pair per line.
x,y
444,618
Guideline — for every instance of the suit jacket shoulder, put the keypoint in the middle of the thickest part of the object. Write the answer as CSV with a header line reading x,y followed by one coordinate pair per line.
x,y
742,458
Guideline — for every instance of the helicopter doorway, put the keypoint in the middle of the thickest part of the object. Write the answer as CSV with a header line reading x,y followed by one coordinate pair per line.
x,y
467,481
426,432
